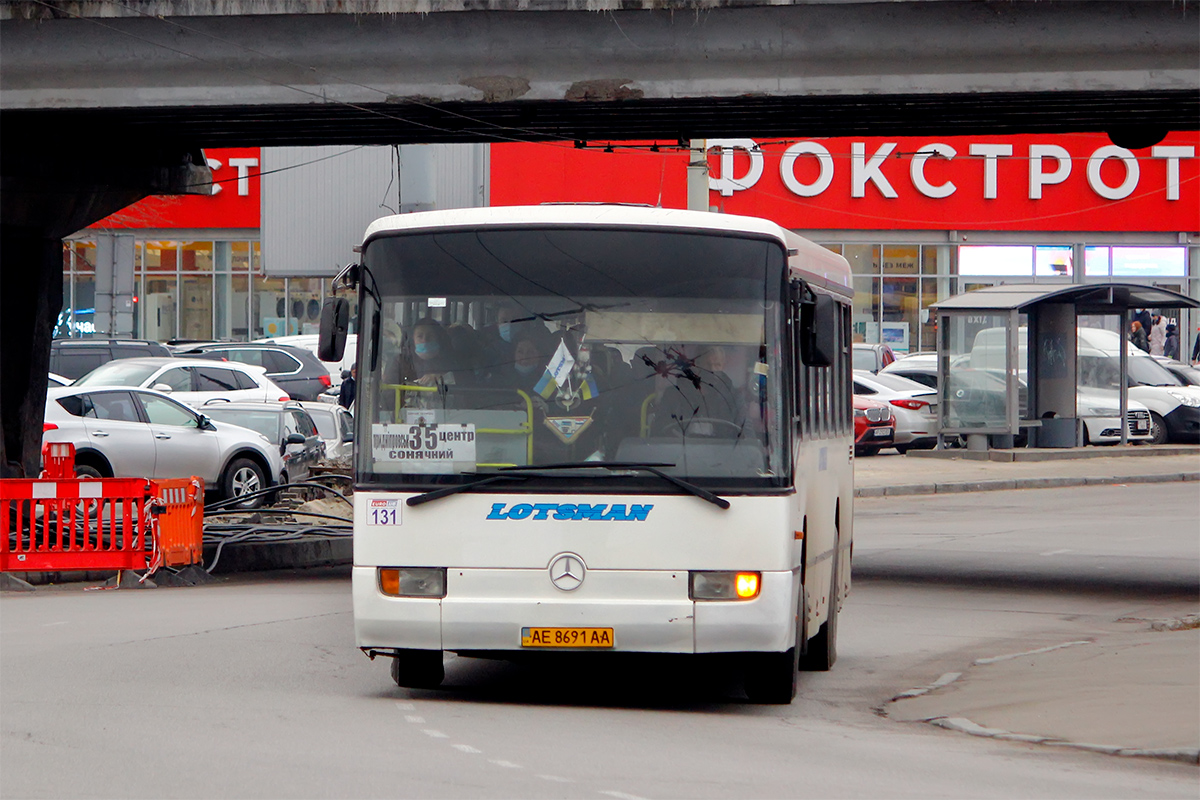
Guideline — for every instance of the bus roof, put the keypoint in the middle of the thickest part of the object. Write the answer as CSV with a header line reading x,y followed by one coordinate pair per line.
x,y
809,260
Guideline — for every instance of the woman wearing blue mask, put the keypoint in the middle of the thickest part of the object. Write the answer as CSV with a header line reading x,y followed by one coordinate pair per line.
x,y
431,358
528,363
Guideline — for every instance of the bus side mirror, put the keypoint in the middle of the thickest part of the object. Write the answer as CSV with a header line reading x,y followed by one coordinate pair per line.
x,y
335,321
818,331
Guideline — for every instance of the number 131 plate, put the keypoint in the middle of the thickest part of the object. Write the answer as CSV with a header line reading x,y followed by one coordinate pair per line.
x,y
566,637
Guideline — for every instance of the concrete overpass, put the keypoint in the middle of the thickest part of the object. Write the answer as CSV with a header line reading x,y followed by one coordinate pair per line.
x,y
104,102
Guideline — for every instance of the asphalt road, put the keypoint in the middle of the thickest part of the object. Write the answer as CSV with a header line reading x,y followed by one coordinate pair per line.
x,y
252,688
1142,538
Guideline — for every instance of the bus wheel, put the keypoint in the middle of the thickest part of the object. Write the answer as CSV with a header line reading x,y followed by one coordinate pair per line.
x,y
822,648
418,669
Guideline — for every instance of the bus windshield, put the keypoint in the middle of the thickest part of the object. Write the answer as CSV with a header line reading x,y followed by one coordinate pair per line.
x,y
497,347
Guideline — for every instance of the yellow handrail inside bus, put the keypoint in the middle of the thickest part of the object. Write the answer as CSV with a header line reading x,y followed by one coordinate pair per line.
x,y
524,429
645,426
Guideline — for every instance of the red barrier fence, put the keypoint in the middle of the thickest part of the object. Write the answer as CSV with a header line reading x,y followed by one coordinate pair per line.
x,y
177,512
65,523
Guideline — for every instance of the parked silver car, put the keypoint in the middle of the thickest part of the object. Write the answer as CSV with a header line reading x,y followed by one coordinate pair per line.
x,y
336,426
286,425
140,433
913,405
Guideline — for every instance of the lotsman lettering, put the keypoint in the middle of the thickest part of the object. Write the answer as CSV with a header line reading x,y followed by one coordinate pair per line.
x,y
497,512
542,510
639,513
588,511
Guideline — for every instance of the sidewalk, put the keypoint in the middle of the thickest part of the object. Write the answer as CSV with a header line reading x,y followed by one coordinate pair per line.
x,y
930,472
1121,692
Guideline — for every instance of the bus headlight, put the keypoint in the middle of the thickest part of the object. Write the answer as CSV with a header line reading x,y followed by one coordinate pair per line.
x,y
723,585
412,581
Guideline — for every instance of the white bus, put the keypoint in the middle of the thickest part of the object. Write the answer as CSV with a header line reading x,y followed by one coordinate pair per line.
x,y
599,428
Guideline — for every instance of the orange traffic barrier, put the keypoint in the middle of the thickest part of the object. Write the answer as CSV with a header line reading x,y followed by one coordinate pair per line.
x,y
177,514
61,523
75,524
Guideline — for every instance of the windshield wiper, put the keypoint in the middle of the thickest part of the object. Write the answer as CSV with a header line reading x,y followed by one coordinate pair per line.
x,y
651,467
507,474
446,491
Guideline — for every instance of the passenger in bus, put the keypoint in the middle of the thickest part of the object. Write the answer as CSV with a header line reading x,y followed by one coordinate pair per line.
x,y
429,357
499,340
701,400
531,353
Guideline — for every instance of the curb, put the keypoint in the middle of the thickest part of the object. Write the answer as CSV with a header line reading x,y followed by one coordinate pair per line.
x,y
963,725
1019,483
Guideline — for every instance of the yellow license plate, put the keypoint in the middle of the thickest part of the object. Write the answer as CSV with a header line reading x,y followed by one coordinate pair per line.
x,y
566,637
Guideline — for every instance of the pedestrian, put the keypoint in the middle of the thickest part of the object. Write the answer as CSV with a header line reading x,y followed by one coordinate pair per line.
x,y
1171,343
1137,336
349,386
1158,334
1196,348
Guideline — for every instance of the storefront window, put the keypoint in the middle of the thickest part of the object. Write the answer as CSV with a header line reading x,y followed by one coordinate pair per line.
x,y
83,310
268,316
1053,261
866,310
900,259
161,256
899,313
196,306
304,305
1095,261
1146,262
863,258
158,307
999,260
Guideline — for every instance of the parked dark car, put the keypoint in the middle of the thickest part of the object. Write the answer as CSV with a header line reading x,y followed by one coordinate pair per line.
x,y
74,358
294,369
286,425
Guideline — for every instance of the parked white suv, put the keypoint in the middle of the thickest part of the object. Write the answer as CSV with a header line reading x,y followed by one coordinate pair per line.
x,y
139,433
193,382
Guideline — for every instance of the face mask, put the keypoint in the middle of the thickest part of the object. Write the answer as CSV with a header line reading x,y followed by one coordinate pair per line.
x,y
525,369
505,330
427,349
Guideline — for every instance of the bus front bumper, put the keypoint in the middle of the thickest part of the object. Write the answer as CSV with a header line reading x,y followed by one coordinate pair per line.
x,y
648,611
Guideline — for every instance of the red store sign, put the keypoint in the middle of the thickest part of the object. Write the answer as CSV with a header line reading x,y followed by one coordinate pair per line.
x,y
231,202
1078,182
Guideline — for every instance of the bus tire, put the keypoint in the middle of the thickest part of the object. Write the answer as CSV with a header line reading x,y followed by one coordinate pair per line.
x,y
822,648
418,669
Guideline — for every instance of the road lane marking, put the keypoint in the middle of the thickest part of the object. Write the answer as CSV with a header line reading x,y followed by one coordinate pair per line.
x,y
499,762
414,718
621,795
435,734
404,706
465,748
1057,552
556,779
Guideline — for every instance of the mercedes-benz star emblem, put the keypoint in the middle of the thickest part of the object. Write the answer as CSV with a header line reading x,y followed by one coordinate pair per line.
x,y
566,572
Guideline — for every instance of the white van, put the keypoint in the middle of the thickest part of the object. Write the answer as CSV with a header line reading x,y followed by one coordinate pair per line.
x,y
1174,407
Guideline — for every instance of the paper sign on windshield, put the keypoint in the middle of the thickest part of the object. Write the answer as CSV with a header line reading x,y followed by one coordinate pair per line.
x,y
417,444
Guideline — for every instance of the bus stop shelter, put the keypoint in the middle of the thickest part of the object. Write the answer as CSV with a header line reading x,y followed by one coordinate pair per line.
x,y
1007,358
